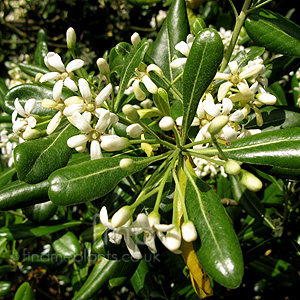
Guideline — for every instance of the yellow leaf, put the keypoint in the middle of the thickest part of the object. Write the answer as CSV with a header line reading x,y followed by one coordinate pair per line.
x,y
148,148
199,278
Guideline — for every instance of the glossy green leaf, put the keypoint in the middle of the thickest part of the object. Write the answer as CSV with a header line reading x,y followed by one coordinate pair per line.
x,y
27,91
142,281
123,49
87,181
30,230
198,25
219,252
295,88
131,62
41,49
277,90
279,148
3,91
35,160
161,101
40,212
19,194
174,30
32,70
49,260
66,245
123,271
273,31
4,288
24,292
98,277
280,66
204,59
276,118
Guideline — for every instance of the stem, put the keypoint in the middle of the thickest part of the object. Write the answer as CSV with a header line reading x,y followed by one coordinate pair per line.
x,y
216,144
236,31
258,6
170,84
193,153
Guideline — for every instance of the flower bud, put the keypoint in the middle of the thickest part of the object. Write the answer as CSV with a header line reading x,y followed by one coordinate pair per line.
x,y
135,39
134,130
71,38
189,232
47,103
232,167
103,66
173,239
251,182
267,99
121,216
31,134
127,164
113,143
130,112
37,77
217,124
154,218
146,104
156,69
166,123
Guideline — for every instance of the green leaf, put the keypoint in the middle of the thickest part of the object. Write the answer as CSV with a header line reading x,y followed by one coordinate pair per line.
x,y
132,61
3,91
41,49
295,89
98,277
30,230
4,288
86,181
174,30
32,70
279,149
277,90
204,59
123,49
40,212
19,194
276,118
161,101
273,31
27,91
24,292
66,245
219,252
6,176
35,160
198,25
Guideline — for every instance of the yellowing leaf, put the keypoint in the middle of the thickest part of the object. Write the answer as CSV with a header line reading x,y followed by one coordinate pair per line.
x,y
199,278
148,148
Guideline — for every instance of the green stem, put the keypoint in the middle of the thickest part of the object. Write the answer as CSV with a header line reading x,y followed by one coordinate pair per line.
x,y
258,6
194,153
236,31
171,86
216,144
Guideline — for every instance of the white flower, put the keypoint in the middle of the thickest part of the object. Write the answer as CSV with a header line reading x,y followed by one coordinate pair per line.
x,y
235,78
28,121
61,74
184,48
95,135
134,130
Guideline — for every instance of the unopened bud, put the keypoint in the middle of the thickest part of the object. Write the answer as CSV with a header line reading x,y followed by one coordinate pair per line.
x,y
134,130
37,77
31,134
217,124
267,99
251,182
127,164
130,112
173,239
189,232
146,104
232,167
113,142
103,66
121,216
154,218
71,38
166,123
135,39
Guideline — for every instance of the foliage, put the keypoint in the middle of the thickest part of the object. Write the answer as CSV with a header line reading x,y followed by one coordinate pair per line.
x,y
169,169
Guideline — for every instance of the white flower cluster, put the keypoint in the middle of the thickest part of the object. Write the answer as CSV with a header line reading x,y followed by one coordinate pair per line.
x,y
7,146
121,226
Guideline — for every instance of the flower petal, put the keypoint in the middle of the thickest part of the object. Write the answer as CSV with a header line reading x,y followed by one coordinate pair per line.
x,y
104,119
132,247
19,108
81,123
85,90
57,90
29,105
211,108
77,140
104,218
104,94
49,76
54,122
95,150
224,89
178,62
113,143
70,110
70,84
183,48
74,65
227,106
150,85
54,62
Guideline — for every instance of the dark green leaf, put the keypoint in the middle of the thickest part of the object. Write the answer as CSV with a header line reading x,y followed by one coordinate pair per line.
x,y
295,88
174,30
204,59
35,160
32,70
273,31
276,118
6,176
161,101
197,26
41,49
19,194
40,212
123,49
277,90
131,62
49,260
279,148
66,245
30,230
219,252
3,91
86,181
24,292
4,288
27,91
